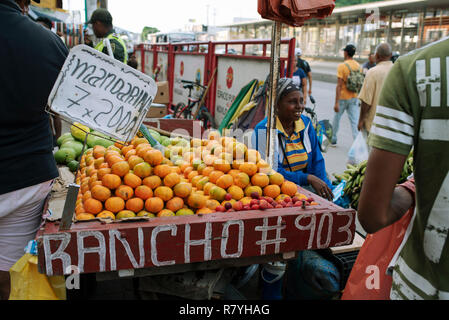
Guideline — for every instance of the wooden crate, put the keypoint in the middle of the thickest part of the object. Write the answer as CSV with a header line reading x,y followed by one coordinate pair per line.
x,y
166,242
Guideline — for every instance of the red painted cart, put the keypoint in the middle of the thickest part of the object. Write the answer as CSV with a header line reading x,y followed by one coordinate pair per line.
x,y
199,242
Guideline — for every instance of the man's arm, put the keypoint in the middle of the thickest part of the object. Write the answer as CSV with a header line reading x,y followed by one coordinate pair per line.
x,y
304,89
309,76
375,210
337,94
364,109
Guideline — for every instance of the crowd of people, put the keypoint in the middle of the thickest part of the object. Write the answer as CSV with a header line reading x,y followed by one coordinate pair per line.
x,y
397,106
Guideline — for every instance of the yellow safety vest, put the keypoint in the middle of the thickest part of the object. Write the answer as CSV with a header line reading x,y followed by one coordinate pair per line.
x,y
100,46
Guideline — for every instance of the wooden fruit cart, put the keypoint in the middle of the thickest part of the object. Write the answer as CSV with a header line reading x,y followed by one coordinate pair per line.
x,y
167,245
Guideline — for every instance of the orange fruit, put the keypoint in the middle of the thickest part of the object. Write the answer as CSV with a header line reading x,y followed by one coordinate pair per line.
x,y
276,178
252,156
143,192
213,135
111,181
113,159
206,171
249,168
134,204
236,164
214,175
241,180
202,182
281,197
154,204
217,193
212,204
260,179
100,193
98,151
174,204
127,148
125,192
106,214
165,213
192,174
187,171
251,189
114,204
272,191
98,162
85,216
142,148
165,193
182,189
132,180
172,179
120,168
153,157
102,172
152,181
225,181
162,170
264,167
87,195
204,210
207,187
195,180
79,209
184,166
138,141
134,160
222,165
93,206
209,159
236,192
196,200
246,200
289,188
142,170
233,172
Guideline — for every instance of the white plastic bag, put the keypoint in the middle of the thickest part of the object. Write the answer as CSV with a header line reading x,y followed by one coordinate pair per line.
x,y
359,150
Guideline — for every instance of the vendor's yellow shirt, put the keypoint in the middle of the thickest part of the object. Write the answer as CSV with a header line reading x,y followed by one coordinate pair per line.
x,y
343,73
294,148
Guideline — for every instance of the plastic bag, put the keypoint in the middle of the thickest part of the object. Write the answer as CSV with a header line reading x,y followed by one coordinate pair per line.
x,y
377,252
359,150
28,284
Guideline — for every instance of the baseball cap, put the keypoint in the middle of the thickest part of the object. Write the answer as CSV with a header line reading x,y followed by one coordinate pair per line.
x,y
298,52
350,49
101,15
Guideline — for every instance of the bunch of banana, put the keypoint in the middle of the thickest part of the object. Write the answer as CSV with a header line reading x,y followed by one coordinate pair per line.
x,y
354,176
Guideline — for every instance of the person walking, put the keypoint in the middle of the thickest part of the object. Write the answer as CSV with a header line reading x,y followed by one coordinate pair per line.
x,y
374,79
30,59
412,114
345,99
101,21
371,63
305,66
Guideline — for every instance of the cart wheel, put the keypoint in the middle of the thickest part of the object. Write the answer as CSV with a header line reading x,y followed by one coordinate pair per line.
x,y
207,119
177,109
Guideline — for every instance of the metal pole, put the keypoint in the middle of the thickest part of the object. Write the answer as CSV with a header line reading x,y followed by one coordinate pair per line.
x,y
274,76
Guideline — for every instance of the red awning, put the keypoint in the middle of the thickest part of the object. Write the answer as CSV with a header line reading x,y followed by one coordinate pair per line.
x,y
295,12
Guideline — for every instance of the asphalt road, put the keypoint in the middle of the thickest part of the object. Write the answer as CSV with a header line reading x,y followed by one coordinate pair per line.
x,y
335,157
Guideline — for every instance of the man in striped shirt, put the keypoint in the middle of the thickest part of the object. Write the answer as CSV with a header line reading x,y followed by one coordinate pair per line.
x,y
413,112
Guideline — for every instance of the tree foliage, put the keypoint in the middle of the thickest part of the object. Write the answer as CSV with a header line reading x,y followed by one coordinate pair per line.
x,y
146,31
343,3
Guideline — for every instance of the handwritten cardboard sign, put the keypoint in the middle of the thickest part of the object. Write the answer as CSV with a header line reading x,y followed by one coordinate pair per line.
x,y
102,93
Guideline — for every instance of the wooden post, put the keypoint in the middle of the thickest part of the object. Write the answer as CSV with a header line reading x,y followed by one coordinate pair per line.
x,y
274,76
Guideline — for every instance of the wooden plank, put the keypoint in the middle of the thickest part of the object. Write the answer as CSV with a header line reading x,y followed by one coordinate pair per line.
x,y
96,247
355,246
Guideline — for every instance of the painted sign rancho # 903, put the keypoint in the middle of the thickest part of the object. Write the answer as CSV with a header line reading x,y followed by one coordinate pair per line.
x,y
102,93
93,246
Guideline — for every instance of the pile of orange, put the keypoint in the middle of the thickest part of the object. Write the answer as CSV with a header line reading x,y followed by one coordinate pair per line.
x,y
124,181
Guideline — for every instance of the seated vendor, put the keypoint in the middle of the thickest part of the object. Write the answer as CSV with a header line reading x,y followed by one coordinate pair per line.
x,y
299,158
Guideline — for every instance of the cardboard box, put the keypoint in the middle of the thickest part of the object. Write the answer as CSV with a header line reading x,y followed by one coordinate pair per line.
x,y
162,95
157,111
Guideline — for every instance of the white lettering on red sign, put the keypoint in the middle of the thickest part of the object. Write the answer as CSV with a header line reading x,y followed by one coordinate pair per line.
x,y
116,234
207,242
59,253
225,238
276,241
173,228
100,250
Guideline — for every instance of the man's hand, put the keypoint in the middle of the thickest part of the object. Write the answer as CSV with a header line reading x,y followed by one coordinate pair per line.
x,y
310,92
361,124
336,107
320,187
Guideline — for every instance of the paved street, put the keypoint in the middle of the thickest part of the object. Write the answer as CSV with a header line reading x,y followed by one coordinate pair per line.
x,y
336,157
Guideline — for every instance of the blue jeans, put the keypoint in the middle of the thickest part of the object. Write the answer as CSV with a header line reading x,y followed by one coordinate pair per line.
x,y
353,109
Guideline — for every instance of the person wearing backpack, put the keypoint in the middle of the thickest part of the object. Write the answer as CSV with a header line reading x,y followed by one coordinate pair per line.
x,y
350,80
